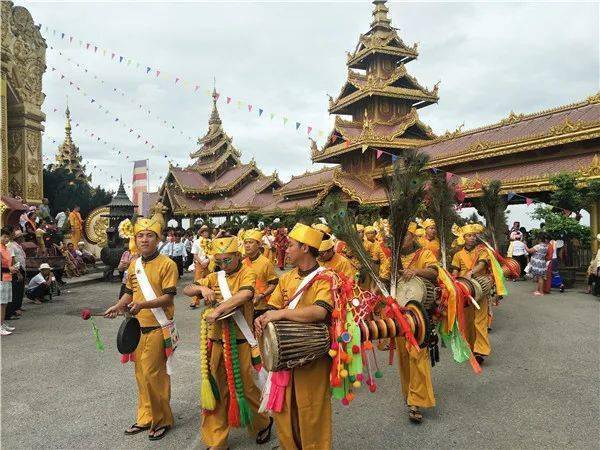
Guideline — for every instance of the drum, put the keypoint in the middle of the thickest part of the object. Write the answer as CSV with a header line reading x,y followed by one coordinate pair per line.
x,y
418,289
415,314
285,344
128,336
511,268
478,286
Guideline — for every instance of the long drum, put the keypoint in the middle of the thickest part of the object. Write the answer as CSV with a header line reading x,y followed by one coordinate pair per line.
x,y
511,268
478,286
418,289
285,344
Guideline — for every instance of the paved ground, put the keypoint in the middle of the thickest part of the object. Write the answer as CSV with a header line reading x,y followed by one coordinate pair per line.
x,y
539,388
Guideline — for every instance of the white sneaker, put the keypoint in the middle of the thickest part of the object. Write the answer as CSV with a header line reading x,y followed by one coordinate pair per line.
x,y
8,327
4,332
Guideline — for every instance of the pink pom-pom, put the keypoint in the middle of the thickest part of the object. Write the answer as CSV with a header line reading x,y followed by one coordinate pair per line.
x,y
372,387
335,345
345,401
124,359
360,377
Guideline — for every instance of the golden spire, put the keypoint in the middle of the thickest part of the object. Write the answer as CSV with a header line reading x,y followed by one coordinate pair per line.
x,y
214,115
68,125
380,18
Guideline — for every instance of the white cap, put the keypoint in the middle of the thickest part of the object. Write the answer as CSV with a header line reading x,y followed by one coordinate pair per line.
x,y
45,266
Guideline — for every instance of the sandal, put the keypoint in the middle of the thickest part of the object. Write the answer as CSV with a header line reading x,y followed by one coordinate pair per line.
x,y
264,435
159,433
414,415
135,429
479,358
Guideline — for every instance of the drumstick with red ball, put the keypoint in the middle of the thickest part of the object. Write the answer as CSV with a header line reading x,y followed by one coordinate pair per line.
x,y
86,314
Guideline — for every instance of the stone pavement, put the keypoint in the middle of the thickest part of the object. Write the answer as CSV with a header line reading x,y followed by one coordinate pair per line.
x,y
539,389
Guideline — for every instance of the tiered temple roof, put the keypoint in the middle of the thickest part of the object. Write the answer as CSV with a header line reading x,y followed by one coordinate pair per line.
x,y
68,156
217,182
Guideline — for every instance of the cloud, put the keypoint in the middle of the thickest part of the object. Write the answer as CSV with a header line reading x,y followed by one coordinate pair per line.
x,y
284,57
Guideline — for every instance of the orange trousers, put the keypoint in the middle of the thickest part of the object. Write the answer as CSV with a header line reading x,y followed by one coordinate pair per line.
x,y
415,375
477,327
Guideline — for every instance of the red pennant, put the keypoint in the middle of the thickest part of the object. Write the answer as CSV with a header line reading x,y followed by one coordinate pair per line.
x,y
228,100
157,72
176,80
528,201
112,56
249,108
378,154
308,130
196,88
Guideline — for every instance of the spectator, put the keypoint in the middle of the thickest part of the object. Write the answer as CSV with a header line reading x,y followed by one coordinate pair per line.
x,y
126,258
13,310
518,250
7,269
41,285
594,273
87,257
30,225
61,218
175,249
43,211
79,263
539,262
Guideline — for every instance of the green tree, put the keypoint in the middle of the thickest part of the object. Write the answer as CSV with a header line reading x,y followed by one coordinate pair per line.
x,y
567,194
63,190
560,226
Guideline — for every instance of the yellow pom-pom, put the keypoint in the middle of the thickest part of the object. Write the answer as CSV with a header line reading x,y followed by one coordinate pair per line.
x,y
207,396
356,384
344,373
332,353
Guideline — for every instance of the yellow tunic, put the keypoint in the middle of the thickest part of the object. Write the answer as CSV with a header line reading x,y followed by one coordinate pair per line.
x,y
265,275
76,223
414,365
433,245
476,319
340,264
305,420
215,428
371,247
385,262
154,384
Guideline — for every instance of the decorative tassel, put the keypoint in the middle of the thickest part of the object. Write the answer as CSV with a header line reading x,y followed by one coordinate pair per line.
x,y
233,412
244,408
266,392
279,382
207,397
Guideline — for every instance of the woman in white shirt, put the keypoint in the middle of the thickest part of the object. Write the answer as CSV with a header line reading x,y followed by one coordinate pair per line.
x,y
518,250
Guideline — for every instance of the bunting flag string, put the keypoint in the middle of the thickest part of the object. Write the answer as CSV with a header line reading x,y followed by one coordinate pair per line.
x,y
122,93
149,71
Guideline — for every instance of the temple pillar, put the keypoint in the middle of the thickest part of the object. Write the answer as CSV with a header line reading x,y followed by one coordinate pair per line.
x,y
595,224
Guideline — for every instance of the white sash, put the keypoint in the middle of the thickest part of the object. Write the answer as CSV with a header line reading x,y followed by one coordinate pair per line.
x,y
159,313
242,324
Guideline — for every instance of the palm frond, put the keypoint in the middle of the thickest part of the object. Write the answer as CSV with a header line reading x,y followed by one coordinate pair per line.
x,y
492,206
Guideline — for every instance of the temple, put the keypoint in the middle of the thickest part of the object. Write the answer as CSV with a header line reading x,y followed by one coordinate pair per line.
x,y
523,151
68,156
217,183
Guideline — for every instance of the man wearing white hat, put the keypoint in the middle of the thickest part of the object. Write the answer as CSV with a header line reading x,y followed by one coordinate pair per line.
x,y
39,286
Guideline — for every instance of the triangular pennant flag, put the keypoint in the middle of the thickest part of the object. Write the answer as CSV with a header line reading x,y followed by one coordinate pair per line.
x,y
249,108
95,49
62,35
148,69
272,115
112,56
87,46
297,125
217,95
510,196
196,88
308,130
364,148
378,154
176,80
70,39
528,201
228,100
92,101
120,59
157,72
260,111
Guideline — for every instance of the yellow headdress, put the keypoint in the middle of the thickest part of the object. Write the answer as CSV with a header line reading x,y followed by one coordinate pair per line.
x,y
253,234
360,227
144,224
428,223
306,235
370,229
326,244
412,227
322,228
225,245
470,228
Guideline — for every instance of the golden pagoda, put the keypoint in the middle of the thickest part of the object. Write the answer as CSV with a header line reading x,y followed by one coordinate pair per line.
x,y
68,156
217,183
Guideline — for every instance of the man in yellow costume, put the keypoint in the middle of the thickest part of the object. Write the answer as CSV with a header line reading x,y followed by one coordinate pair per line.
x,y
150,357
76,223
304,422
415,365
370,242
240,282
203,258
428,237
266,280
337,262
469,261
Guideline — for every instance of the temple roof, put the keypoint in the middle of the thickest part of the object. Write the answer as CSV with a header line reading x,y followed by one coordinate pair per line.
x,y
252,195
381,38
191,181
518,133
68,156
121,198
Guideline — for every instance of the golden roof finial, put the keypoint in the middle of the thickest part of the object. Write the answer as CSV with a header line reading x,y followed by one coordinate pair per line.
x,y
380,17
214,115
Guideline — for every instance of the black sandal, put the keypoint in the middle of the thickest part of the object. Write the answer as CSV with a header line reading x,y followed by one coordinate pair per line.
x,y
165,429
264,435
414,415
135,429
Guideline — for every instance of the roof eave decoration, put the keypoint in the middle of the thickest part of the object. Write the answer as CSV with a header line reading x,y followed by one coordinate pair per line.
x,y
420,97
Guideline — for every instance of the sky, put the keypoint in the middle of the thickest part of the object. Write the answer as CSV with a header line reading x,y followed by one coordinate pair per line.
x,y
284,57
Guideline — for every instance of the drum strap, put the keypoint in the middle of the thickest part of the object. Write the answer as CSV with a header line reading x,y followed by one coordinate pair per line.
x,y
168,326
295,299
242,324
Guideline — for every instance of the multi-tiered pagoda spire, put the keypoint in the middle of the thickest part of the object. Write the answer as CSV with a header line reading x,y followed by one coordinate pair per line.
x,y
68,156
381,99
